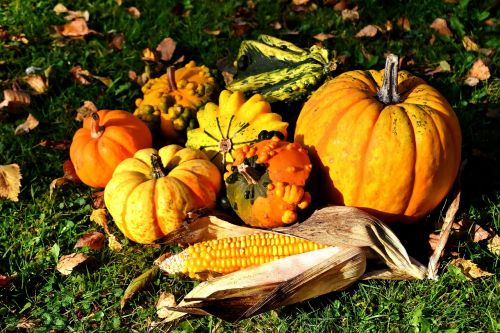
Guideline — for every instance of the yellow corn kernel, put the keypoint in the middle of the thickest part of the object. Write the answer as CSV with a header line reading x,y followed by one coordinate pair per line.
x,y
231,254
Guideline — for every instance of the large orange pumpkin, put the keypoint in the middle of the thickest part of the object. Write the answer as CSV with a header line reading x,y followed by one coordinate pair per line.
x,y
384,141
150,194
106,138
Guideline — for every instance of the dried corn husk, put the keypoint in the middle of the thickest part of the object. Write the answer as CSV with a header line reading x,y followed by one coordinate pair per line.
x,y
354,237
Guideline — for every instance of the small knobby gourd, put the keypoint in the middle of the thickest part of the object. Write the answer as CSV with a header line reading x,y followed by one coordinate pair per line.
x,y
106,138
383,140
265,184
231,124
150,194
172,100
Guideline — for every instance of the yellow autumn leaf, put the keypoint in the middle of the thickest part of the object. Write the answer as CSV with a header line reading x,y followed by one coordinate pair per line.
x,y
10,181
469,269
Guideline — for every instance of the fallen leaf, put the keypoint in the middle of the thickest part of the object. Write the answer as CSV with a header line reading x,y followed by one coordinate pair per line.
x,y
212,32
72,15
432,40
77,29
404,22
15,99
29,124
85,110
80,75
60,8
92,239
441,26
491,22
469,269
240,27
166,48
68,262
368,31
6,281
25,323
466,229
55,184
494,245
478,72
443,66
4,34
98,200
21,38
340,5
100,217
350,14
69,175
119,2
469,44
323,36
134,12
38,83
104,80
54,144
138,284
300,2
228,77
165,301
114,244
115,40
148,55
276,25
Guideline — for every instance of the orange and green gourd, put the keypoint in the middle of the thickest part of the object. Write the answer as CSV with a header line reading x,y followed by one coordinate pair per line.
x,y
266,183
172,100
106,138
150,194
233,123
384,141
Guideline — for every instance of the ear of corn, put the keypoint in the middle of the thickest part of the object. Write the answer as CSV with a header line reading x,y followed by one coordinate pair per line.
x,y
231,254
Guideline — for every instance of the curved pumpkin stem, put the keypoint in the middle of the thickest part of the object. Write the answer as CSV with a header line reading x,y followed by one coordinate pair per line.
x,y
96,129
171,78
388,93
158,168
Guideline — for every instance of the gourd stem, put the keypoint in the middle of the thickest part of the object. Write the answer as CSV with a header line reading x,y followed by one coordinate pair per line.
x,y
171,78
96,129
158,168
388,93
249,173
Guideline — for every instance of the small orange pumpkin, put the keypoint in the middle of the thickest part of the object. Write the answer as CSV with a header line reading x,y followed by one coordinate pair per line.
x,y
384,141
106,138
265,184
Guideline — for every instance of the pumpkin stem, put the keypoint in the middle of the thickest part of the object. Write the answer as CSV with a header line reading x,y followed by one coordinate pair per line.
x,y
96,129
171,78
249,173
158,168
388,93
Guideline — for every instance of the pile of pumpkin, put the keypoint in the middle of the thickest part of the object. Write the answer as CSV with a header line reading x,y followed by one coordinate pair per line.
x,y
383,141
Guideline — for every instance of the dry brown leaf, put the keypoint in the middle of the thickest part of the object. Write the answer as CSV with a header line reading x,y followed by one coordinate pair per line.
x,y
37,82
212,32
323,36
441,26
134,12
432,40
68,262
148,55
115,40
29,124
276,25
404,23
85,110
138,284
100,217
104,80
20,38
350,14
300,2
469,44
55,184
228,77
114,244
79,75
494,245
60,8
164,301
68,176
54,144
166,48
443,66
340,5
240,26
77,29
491,22
478,72
98,200
468,230
15,99
368,31
92,239
6,280
72,15
469,269
25,323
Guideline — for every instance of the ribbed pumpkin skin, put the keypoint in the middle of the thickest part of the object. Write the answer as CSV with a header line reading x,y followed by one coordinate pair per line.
x,y
395,161
145,208
95,158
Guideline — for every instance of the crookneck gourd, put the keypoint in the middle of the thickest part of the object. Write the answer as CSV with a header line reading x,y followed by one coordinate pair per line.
x,y
383,140
151,193
231,124
279,70
172,100
106,138
265,184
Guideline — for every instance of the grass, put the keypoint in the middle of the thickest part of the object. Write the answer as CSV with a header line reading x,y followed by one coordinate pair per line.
x,y
38,229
